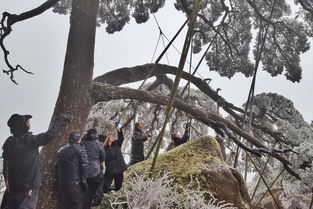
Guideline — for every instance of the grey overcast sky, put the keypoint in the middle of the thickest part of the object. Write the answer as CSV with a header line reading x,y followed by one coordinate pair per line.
x,y
39,45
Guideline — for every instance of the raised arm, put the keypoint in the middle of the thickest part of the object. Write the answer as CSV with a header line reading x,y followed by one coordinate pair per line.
x,y
120,137
102,153
45,138
186,136
139,137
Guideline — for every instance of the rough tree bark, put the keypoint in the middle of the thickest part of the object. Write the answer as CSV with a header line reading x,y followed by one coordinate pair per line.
x,y
74,95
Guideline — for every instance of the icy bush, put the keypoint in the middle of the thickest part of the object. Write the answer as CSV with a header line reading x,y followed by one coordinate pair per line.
x,y
279,113
160,193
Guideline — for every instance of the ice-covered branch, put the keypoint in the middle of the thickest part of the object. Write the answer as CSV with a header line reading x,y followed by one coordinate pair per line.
x,y
104,92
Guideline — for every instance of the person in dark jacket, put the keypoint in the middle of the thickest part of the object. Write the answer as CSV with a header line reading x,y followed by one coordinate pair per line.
x,y
21,165
114,162
178,139
96,156
137,144
72,164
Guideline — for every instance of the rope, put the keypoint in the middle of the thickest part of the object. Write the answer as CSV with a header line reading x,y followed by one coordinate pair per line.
x,y
252,87
156,47
272,184
263,170
195,69
168,62
122,114
182,61
188,95
161,35
200,61
311,204
268,188
181,54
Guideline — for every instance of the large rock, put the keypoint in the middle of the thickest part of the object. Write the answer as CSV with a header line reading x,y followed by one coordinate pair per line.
x,y
201,159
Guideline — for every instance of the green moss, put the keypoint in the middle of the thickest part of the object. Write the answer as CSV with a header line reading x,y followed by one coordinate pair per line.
x,y
192,157
197,164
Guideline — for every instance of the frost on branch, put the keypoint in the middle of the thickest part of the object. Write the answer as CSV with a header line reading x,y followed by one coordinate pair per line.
x,y
279,113
142,192
151,115
116,14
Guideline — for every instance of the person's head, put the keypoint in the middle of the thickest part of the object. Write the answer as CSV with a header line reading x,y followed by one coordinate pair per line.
x,y
19,124
92,134
111,139
177,135
74,137
139,126
102,138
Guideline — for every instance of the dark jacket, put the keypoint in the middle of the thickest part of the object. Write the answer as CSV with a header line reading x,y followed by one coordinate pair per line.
x,y
183,139
96,155
137,147
21,165
114,161
72,164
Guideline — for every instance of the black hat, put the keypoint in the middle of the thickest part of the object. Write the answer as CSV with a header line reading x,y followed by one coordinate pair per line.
x,y
92,134
17,120
17,124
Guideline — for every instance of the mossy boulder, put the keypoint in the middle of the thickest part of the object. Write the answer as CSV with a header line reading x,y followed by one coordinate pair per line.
x,y
200,159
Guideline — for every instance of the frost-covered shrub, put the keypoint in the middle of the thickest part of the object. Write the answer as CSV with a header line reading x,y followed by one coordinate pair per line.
x,y
160,193
279,114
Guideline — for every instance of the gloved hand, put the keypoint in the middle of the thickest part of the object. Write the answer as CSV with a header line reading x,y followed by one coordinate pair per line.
x,y
147,135
117,123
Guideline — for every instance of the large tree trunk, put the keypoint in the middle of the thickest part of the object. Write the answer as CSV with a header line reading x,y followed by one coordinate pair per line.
x,y
74,95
